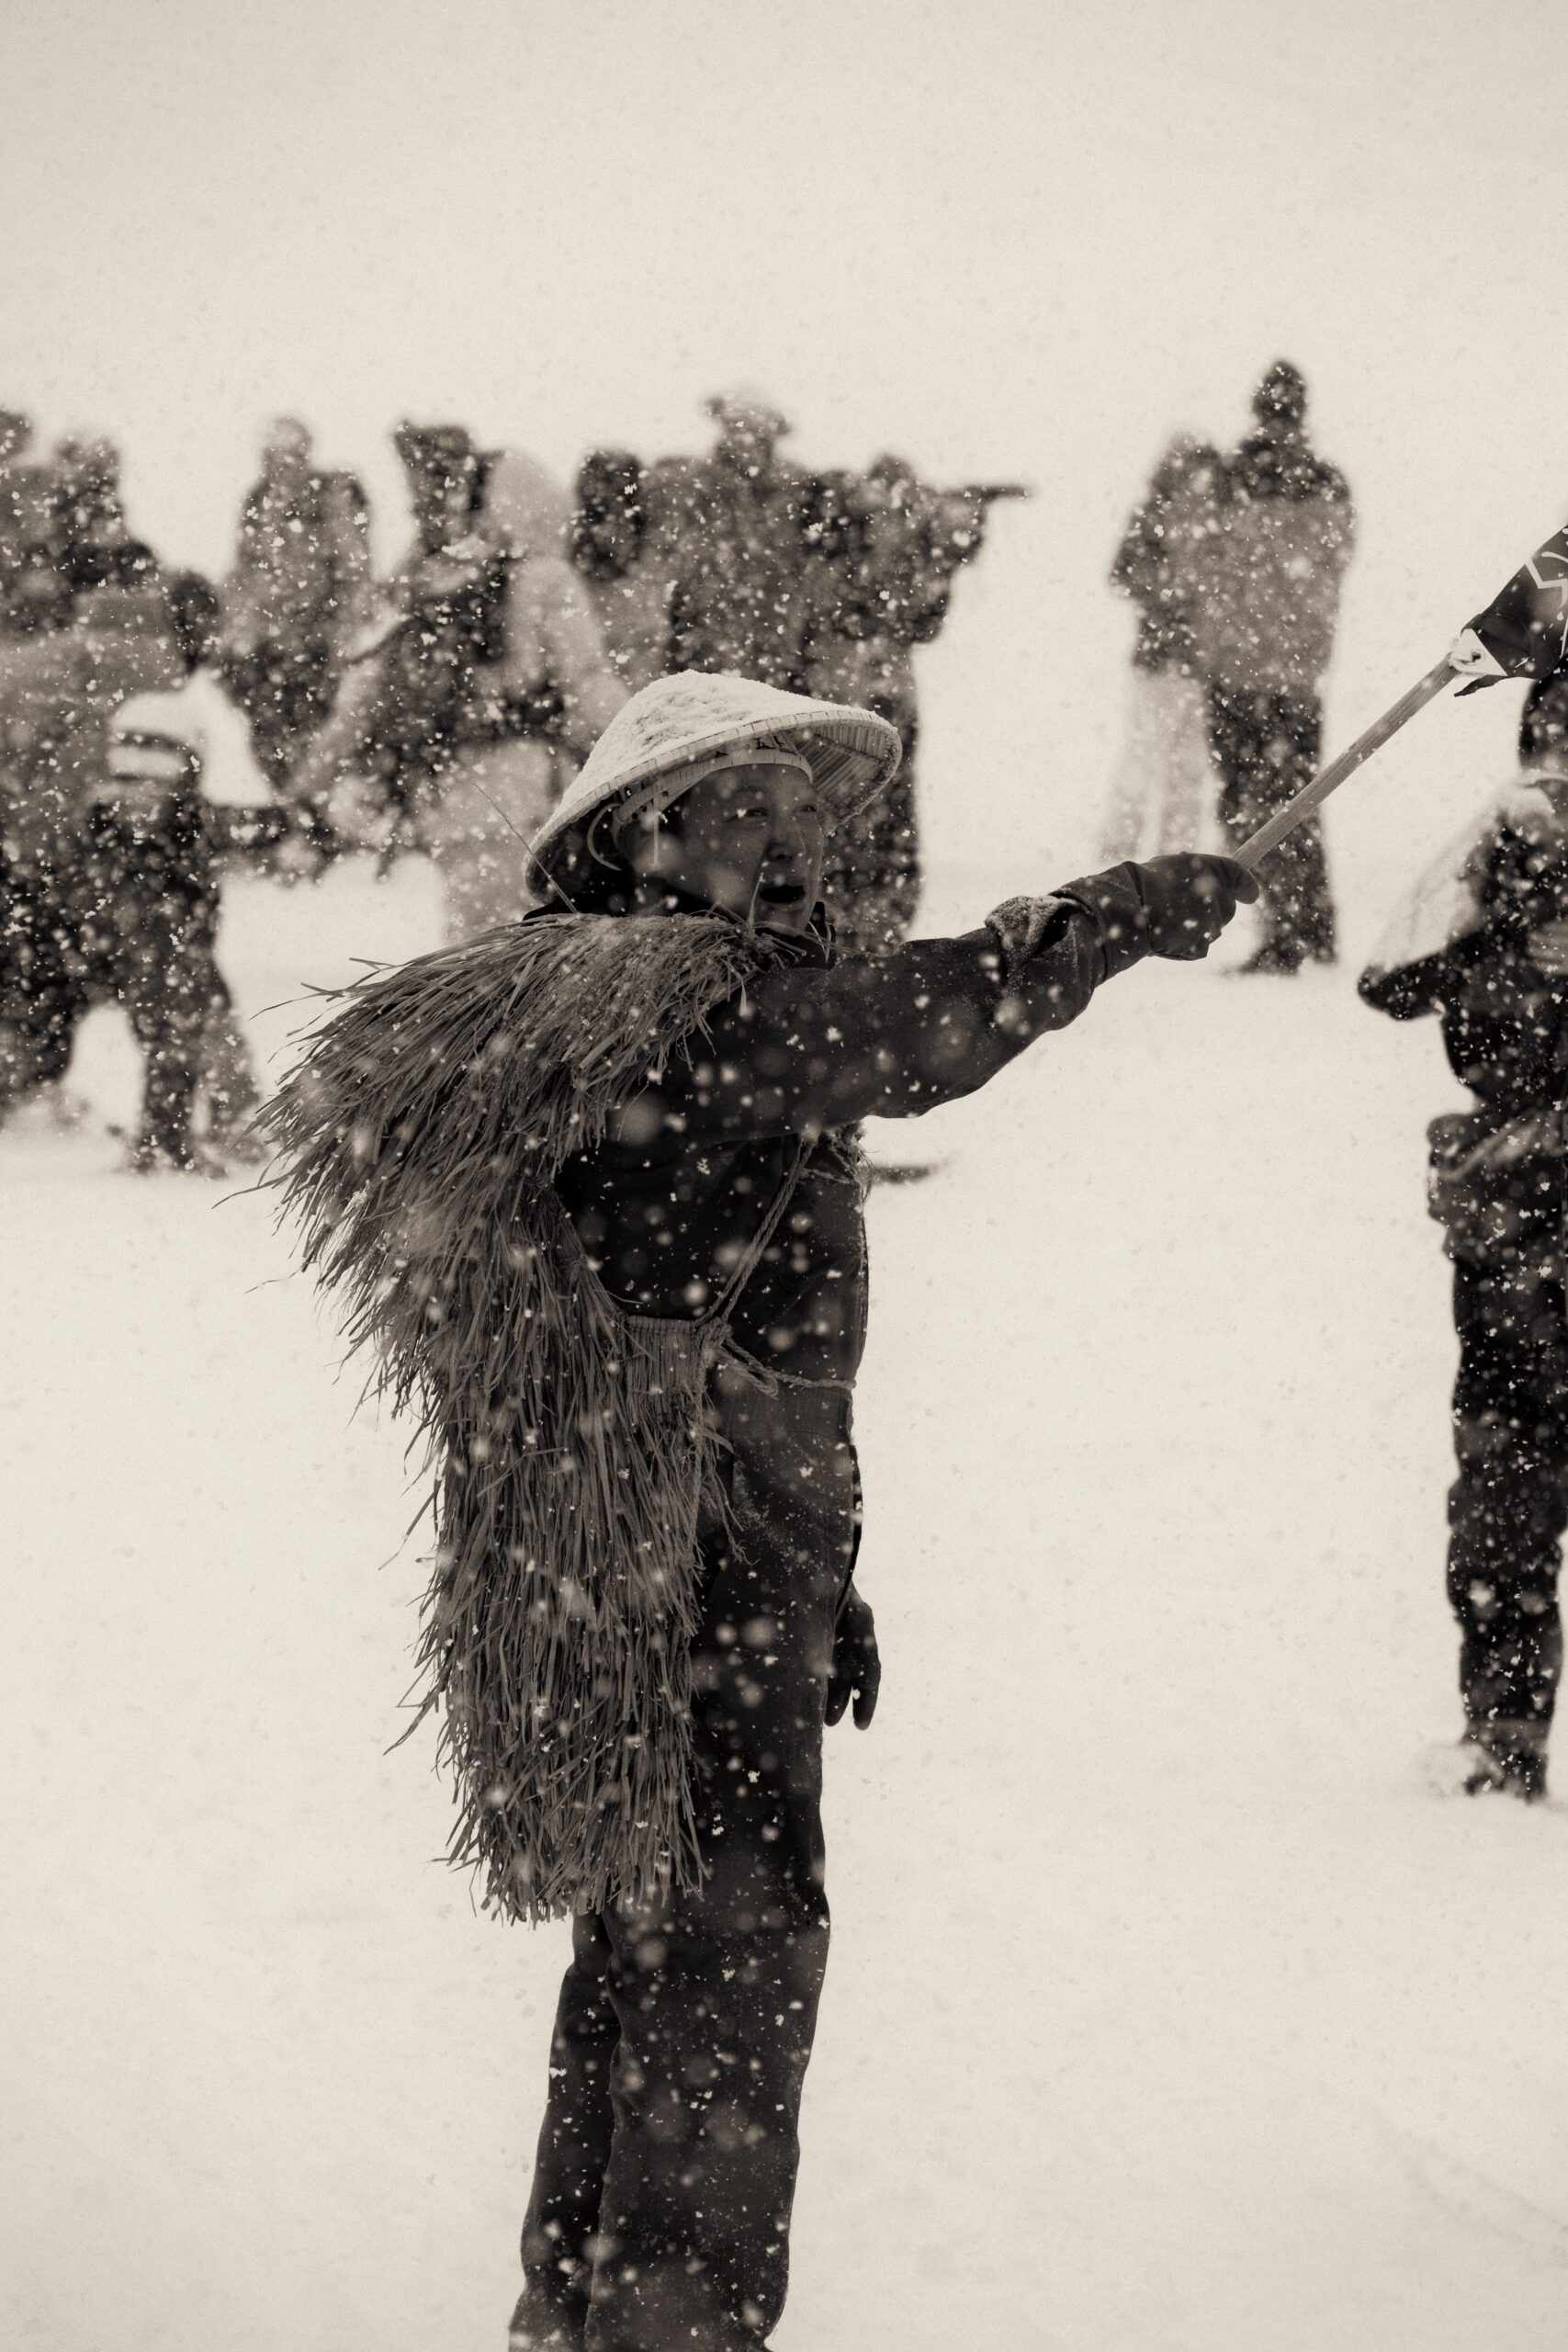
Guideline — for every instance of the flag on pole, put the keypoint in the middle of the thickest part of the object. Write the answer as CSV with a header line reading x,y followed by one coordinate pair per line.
x,y
1523,633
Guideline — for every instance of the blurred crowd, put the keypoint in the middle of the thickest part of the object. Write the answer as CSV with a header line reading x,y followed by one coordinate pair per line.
x,y
1234,562
440,708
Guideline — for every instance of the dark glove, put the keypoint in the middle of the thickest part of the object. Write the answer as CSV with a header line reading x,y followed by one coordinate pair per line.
x,y
856,1665
1174,906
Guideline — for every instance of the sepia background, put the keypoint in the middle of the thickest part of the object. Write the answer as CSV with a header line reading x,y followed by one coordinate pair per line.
x,y
1167,2012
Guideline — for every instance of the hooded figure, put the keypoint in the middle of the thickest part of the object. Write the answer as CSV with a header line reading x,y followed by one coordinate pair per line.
x,y
1262,601
538,693
590,1186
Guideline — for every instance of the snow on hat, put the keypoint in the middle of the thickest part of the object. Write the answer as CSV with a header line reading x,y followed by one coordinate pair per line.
x,y
682,722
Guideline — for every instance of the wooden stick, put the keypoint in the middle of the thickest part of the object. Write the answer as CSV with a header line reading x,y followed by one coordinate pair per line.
x,y
1285,821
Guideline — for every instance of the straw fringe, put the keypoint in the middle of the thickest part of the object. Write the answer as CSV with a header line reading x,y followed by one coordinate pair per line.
x,y
573,1451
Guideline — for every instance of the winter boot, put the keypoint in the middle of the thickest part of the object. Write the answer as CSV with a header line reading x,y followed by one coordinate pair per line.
x,y
1499,1757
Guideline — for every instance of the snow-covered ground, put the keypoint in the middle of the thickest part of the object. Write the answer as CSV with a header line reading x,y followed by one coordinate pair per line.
x,y
1167,2012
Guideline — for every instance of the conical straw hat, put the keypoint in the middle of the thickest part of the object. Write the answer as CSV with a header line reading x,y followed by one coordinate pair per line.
x,y
687,718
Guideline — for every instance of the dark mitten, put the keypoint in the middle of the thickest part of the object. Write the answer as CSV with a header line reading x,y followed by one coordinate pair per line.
x,y
1174,906
857,1667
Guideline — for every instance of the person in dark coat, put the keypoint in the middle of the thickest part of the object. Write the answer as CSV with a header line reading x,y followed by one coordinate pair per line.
x,y
1163,789
90,625
623,552
151,900
1483,943
885,549
627,1266
1263,598
296,596
735,551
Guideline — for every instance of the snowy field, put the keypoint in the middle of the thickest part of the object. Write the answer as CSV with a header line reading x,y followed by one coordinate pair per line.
x,y
1166,2013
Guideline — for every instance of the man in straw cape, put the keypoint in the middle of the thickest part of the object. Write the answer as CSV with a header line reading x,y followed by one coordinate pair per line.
x,y
590,1185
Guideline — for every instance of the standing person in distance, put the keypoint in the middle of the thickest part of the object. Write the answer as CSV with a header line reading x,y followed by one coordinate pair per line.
x,y
295,597
1482,942
1163,790
623,555
590,1185
1267,582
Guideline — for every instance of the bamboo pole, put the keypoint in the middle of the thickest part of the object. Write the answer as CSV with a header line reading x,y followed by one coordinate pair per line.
x,y
1285,821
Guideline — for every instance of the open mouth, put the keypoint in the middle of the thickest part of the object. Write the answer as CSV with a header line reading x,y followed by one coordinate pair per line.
x,y
783,894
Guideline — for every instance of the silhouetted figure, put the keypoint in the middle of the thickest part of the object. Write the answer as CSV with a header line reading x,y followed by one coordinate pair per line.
x,y
1267,586
1164,783
295,597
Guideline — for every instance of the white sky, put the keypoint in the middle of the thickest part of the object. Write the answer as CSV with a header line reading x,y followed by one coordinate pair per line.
x,y
1008,238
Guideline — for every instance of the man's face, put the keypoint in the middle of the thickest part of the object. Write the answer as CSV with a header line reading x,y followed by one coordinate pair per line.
x,y
750,839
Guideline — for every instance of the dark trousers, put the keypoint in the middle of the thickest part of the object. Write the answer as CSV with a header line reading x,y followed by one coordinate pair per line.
x,y
44,983
286,692
659,2215
1266,747
148,934
1508,1506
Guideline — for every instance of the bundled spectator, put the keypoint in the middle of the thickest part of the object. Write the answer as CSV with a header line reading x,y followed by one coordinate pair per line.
x,y
68,660
1163,789
150,914
295,597
190,737
736,555
1265,601
885,549
623,558
1484,942
537,692
489,684
392,724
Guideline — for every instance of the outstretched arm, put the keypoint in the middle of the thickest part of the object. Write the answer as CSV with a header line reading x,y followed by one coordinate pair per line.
x,y
807,1049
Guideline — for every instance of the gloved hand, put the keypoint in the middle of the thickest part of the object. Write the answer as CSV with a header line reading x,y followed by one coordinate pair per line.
x,y
1174,906
1190,900
856,1665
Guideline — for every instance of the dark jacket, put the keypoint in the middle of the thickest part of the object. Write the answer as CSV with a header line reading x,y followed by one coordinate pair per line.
x,y
765,1106
1497,1171
1265,581
590,1185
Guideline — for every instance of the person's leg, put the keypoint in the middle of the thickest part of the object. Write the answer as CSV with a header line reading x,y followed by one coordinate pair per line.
x,y
1297,873
715,2030
1234,742
1265,749
1508,1508
42,983
229,1078
168,980
561,2228
1188,774
1133,781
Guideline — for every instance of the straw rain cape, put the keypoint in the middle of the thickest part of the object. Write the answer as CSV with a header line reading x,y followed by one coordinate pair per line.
x,y
572,1454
